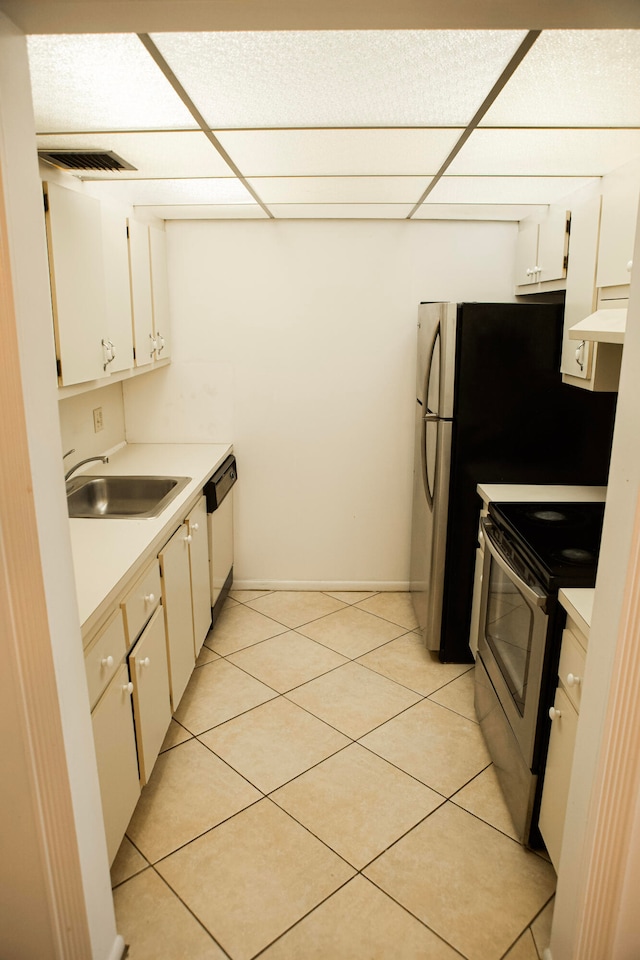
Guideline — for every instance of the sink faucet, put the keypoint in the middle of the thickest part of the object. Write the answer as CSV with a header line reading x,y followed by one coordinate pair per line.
x,y
82,462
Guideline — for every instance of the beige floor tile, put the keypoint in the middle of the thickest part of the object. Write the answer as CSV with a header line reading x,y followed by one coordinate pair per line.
x,y
359,922
458,695
350,596
523,949
175,735
155,924
432,744
274,743
239,626
408,661
499,886
351,632
217,692
357,803
541,928
243,596
483,797
253,877
127,863
206,656
295,607
353,699
396,607
287,660
190,791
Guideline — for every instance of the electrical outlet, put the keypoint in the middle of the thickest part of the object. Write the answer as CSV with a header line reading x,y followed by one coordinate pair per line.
x,y
97,420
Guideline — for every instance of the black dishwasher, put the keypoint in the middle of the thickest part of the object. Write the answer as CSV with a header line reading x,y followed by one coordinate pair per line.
x,y
218,491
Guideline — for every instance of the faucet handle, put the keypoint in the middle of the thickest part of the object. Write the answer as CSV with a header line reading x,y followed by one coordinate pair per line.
x,y
73,450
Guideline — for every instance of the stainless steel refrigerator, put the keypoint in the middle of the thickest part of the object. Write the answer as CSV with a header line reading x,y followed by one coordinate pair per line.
x,y
490,407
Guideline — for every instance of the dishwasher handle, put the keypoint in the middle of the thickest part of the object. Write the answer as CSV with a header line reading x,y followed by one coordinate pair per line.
x,y
216,489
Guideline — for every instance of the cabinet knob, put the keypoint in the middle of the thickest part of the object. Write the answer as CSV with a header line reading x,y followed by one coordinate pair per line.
x,y
145,662
194,526
572,680
127,688
555,714
629,266
149,598
107,661
188,538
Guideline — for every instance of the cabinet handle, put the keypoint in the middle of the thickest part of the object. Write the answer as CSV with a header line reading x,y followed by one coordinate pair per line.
x,y
127,688
572,680
149,598
110,352
188,538
629,266
107,661
580,354
154,345
145,662
555,714
160,348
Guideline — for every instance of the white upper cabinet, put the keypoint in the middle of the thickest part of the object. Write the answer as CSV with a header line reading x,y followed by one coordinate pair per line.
x,y
542,248
74,235
620,192
149,297
119,334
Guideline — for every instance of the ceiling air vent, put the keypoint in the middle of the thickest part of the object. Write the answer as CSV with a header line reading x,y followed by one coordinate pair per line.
x,y
85,160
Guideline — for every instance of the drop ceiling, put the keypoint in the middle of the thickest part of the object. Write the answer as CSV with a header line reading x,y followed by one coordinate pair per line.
x,y
392,124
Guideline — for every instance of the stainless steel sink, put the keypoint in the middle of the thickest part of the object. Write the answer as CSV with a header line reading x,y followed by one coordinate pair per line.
x,y
118,498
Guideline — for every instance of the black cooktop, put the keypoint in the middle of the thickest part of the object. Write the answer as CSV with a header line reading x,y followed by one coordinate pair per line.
x,y
559,541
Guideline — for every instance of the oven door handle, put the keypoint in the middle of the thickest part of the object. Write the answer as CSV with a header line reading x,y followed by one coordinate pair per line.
x,y
533,596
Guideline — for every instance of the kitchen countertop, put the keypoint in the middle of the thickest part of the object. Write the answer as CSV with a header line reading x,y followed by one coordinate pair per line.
x,y
107,553
578,602
541,492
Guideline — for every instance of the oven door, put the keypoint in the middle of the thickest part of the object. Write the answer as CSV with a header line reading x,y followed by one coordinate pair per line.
x,y
514,627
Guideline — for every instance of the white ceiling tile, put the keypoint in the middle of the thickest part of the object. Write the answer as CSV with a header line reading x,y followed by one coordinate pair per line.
x,y
477,211
340,77
100,82
273,153
340,211
228,211
187,153
518,190
339,189
574,78
557,152
154,192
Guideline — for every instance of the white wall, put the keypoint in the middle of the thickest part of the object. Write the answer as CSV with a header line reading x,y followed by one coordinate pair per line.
x,y
77,423
296,341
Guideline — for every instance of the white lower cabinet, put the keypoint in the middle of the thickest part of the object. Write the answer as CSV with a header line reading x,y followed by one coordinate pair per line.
x,y
199,567
178,616
115,743
149,673
564,725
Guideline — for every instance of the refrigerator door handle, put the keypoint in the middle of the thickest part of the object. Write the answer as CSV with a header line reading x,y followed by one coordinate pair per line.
x,y
431,418
425,469
427,379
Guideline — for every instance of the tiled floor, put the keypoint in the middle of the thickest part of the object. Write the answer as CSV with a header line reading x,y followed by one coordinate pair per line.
x,y
324,793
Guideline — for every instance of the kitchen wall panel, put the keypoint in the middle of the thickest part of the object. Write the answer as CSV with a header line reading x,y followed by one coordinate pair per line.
x,y
296,342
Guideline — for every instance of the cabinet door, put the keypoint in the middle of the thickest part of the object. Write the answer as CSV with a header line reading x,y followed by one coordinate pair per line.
x,y
580,299
526,252
160,292
553,244
620,191
118,331
199,560
74,236
178,617
150,677
558,775
141,298
115,744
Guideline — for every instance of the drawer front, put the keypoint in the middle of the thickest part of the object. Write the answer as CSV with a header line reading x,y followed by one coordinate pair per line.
x,y
571,669
103,657
141,601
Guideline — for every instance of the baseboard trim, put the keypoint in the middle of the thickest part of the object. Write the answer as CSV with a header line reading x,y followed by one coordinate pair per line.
x,y
340,586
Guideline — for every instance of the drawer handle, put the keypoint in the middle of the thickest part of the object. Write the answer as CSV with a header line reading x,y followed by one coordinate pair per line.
x,y
145,662
107,661
149,598
555,714
127,688
573,681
